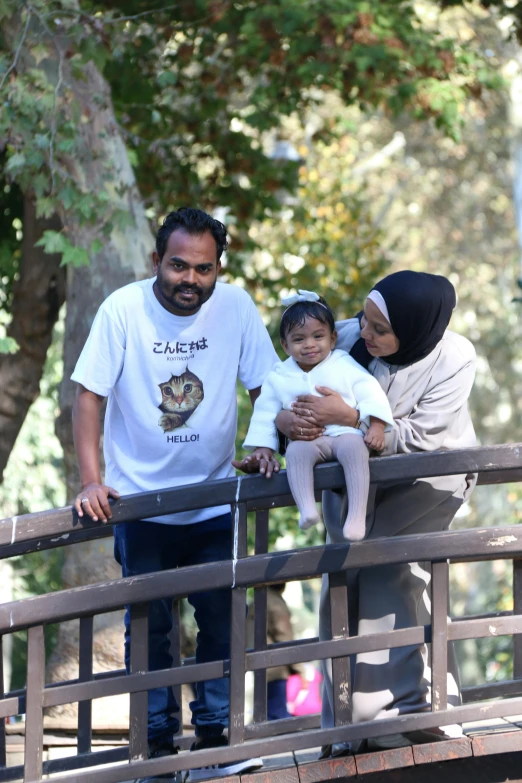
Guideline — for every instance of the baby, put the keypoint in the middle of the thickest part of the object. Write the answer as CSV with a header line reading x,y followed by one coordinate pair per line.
x,y
308,336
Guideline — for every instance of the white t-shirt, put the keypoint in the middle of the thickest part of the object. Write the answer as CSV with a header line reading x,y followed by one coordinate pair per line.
x,y
142,357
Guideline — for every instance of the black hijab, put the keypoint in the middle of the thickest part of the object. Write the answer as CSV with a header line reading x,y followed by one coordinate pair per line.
x,y
420,307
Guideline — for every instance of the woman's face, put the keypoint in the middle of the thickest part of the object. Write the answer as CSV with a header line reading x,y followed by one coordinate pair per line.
x,y
376,332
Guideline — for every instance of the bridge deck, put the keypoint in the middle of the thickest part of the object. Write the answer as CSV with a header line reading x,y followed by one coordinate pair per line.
x,y
491,748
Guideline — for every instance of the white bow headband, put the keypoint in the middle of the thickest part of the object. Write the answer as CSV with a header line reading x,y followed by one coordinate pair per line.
x,y
301,296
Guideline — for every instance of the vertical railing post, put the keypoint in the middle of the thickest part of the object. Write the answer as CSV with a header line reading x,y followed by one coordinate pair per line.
x,y
260,619
34,703
85,675
517,609
439,635
175,651
342,707
236,727
3,757
139,663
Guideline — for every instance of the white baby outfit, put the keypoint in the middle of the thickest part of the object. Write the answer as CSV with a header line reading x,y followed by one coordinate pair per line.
x,y
358,389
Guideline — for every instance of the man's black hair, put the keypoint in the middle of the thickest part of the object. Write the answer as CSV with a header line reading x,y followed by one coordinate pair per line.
x,y
296,315
193,221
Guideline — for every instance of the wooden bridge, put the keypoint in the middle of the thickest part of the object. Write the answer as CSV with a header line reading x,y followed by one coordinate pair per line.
x,y
287,745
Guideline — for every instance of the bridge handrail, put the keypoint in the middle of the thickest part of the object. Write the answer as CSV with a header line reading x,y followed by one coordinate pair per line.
x,y
61,527
261,570
495,464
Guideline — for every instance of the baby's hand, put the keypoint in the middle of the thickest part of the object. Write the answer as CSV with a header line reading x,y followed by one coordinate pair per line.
x,y
374,438
261,459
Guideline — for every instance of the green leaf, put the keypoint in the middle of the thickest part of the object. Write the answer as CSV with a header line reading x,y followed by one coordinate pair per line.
x,y
8,345
167,78
52,242
75,256
15,162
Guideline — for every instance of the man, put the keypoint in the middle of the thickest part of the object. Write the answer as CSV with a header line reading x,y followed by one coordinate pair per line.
x,y
167,353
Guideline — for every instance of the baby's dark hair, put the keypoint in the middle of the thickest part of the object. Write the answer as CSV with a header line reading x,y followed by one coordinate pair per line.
x,y
296,315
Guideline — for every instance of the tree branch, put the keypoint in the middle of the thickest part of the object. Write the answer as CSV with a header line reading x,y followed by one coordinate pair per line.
x,y
18,50
38,295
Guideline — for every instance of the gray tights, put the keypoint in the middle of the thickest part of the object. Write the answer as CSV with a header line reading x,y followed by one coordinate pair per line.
x,y
351,451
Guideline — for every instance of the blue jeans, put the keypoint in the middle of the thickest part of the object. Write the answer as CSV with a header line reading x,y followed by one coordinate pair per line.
x,y
148,547
276,700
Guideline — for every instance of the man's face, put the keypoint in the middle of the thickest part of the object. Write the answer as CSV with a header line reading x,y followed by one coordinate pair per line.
x,y
187,273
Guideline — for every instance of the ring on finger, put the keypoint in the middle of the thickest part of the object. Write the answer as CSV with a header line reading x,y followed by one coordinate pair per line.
x,y
309,412
301,431
84,500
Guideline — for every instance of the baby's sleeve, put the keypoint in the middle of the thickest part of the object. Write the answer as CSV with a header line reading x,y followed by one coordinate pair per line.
x,y
262,430
371,400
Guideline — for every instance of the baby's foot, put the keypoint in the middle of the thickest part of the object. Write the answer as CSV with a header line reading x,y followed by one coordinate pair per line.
x,y
306,522
354,530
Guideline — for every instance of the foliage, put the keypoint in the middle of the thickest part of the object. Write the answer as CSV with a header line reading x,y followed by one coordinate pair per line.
x,y
203,92
34,481
199,89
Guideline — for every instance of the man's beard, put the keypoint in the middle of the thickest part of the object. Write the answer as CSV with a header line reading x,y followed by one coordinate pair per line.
x,y
170,294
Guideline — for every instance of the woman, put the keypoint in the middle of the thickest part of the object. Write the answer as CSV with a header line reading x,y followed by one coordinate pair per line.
x,y
427,374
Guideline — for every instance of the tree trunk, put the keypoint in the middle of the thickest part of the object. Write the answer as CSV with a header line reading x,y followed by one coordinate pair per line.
x,y
125,257
37,297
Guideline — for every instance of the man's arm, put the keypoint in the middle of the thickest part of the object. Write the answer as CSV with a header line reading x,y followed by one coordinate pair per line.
x,y
93,498
254,394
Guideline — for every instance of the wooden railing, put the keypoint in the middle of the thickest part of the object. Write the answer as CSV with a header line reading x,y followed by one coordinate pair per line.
x,y
496,464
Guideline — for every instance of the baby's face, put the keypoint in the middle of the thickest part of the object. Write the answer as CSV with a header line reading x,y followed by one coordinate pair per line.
x,y
310,343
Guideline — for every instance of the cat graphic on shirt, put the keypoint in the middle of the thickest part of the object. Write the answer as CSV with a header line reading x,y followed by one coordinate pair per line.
x,y
180,396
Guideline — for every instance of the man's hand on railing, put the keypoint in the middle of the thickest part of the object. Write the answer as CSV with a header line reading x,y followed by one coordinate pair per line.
x,y
94,501
261,460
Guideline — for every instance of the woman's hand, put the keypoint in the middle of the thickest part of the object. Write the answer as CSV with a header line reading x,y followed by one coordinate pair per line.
x,y
94,501
297,427
328,409
261,460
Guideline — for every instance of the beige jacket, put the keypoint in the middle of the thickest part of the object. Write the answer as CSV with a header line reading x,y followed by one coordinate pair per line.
x,y
429,398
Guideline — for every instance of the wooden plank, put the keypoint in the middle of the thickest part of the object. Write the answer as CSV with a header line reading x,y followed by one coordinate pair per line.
x,y
439,635
105,596
282,775
448,750
338,598
236,723
175,651
2,720
327,769
487,543
478,728
139,663
85,675
260,620
401,467
478,629
277,745
286,725
236,729
489,769
517,609
491,690
34,717
76,534
133,683
70,763
489,744
383,760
